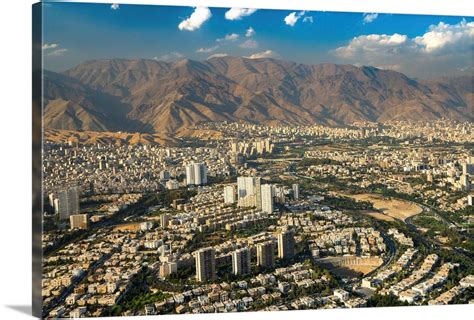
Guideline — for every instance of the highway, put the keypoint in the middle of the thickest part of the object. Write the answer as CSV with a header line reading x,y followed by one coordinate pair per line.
x,y
431,243
388,259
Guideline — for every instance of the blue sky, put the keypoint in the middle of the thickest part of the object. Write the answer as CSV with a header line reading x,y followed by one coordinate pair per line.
x,y
418,45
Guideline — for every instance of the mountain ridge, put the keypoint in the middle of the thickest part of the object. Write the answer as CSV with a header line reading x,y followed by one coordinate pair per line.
x,y
164,97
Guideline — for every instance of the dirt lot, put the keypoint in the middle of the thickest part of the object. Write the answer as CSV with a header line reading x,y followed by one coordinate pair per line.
x,y
377,215
391,208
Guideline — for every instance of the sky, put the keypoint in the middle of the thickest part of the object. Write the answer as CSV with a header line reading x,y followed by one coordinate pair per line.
x,y
420,46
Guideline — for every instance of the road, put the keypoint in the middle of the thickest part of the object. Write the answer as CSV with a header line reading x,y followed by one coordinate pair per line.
x,y
263,160
59,301
428,241
431,243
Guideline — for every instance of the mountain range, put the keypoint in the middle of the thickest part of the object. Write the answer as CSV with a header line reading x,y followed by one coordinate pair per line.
x,y
151,96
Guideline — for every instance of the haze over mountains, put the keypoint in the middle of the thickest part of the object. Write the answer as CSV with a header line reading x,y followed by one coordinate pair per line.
x,y
161,97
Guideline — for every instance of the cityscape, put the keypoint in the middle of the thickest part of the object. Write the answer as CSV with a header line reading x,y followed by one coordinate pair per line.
x,y
264,218
212,160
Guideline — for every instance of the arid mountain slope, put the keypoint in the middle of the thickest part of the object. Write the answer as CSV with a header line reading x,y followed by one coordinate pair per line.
x,y
161,97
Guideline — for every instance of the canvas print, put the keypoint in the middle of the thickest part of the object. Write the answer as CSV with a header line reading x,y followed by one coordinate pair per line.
x,y
203,160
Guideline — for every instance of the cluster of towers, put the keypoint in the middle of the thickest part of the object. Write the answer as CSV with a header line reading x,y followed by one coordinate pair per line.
x,y
250,192
196,174
205,258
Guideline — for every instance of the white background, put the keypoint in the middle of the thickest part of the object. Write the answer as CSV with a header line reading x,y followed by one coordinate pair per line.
x,y
15,153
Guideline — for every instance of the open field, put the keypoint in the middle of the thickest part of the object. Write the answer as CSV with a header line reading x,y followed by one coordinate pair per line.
x,y
377,215
391,208
395,208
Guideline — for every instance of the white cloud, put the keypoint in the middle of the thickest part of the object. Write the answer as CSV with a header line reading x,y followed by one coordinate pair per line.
x,y
372,43
238,13
308,19
207,50
369,17
196,19
393,67
47,46
250,32
249,44
444,48
172,56
440,38
291,19
217,55
444,35
263,54
229,37
115,6
53,49
57,52
466,68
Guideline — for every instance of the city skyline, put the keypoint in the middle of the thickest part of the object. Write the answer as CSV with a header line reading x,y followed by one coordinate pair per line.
x,y
217,175
278,218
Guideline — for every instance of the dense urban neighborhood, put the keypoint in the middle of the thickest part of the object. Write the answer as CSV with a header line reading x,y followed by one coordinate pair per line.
x,y
249,217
